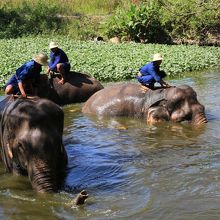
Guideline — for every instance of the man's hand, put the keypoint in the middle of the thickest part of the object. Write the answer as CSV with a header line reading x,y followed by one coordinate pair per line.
x,y
24,95
48,70
21,88
167,85
139,74
144,89
164,84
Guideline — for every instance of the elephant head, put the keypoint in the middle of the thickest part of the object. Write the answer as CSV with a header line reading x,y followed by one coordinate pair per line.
x,y
164,104
177,104
31,141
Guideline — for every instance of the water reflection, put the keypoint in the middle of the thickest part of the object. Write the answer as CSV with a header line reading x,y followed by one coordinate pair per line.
x,y
131,170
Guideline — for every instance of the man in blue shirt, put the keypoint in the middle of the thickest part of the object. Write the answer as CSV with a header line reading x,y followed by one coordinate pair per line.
x,y
150,73
59,62
26,75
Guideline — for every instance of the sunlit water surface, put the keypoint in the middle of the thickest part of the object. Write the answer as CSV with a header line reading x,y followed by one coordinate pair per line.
x,y
131,170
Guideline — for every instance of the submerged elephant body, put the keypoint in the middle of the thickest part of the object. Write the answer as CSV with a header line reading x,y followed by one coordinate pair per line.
x,y
78,88
31,141
165,104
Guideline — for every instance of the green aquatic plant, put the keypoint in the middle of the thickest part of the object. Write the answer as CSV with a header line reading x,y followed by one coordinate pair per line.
x,y
107,61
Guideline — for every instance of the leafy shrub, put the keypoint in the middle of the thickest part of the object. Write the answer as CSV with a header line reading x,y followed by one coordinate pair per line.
x,y
194,20
82,28
140,23
27,20
156,21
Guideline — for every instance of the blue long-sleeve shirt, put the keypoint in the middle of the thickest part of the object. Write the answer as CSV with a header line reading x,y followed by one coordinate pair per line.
x,y
58,57
152,70
28,71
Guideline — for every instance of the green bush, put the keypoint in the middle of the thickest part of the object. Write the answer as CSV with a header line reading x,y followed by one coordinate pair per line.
x,y
139,23
190,20
28,20
159,21
155,21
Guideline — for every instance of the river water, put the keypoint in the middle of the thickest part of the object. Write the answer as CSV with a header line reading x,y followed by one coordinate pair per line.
x,y
131,170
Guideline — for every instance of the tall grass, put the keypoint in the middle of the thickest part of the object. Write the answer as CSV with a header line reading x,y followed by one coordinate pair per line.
x,y
137,20
79,19
70,7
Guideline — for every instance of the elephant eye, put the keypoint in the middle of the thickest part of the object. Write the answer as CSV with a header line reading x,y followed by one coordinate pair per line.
x,y
174,105
20,152
20,147
188,117
20,157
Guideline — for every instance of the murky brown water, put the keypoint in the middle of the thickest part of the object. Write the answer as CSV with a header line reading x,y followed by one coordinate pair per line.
x,y
131,170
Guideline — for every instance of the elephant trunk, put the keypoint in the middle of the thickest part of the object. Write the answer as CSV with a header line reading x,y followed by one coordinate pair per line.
x,y
199,119
43,179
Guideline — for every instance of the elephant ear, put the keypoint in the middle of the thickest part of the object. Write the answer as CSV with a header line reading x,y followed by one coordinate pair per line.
x,y
5,102
153,97
6,153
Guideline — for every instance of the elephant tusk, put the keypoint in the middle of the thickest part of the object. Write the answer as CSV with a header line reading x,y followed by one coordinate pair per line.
x,y
9,151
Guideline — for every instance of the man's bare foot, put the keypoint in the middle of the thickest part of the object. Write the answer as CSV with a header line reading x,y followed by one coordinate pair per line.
x,y
144,88
62,81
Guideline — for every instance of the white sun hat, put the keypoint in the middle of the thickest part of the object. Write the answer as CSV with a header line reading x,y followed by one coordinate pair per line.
x,y
41,58
53,45
157,56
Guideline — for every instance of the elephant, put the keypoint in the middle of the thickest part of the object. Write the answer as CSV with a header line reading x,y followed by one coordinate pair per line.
x,y
31,142
174,104
78,88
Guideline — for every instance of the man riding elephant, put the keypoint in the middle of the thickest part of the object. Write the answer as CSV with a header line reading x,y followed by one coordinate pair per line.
x,y
26,76
150,73
166,104
59,62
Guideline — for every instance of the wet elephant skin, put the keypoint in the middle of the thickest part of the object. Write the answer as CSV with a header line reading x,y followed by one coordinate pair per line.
x,y
77,88
31,141
174,104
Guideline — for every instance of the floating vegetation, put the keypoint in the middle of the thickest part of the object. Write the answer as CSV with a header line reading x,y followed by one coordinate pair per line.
x,y
107,61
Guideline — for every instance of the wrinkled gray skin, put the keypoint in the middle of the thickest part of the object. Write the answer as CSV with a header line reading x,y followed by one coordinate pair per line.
x,y
31,141
174,104
77,88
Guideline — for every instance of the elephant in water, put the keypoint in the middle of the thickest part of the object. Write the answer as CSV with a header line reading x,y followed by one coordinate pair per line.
x,y
78,88
31,142
163,104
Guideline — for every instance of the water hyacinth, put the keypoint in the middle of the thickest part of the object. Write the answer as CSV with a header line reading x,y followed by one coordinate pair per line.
x,y
107,61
